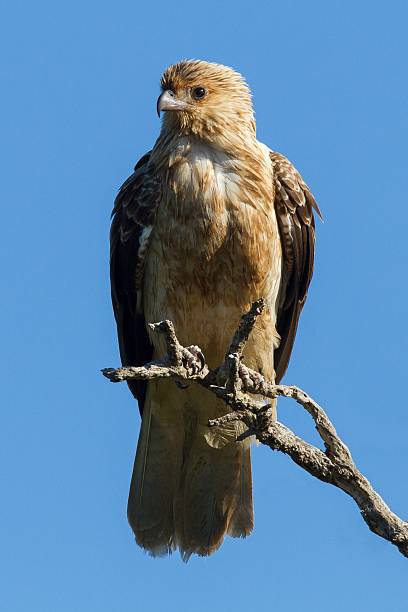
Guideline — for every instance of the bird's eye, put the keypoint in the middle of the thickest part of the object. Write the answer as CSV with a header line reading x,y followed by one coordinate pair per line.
x,y
199,93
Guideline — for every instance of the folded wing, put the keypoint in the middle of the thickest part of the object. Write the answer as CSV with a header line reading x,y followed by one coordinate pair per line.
x,y
132,223
294,205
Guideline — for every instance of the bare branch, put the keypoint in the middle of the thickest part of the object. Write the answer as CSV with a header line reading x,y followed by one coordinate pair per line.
x,y
246,325
174,348
234,383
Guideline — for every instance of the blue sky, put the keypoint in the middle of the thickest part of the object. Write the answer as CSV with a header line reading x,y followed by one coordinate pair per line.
x,y
80,82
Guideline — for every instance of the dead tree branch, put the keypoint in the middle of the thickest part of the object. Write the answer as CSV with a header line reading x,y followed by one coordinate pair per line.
x,y
234,383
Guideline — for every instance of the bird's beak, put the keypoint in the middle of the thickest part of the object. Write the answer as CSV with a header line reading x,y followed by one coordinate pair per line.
x,y
168,101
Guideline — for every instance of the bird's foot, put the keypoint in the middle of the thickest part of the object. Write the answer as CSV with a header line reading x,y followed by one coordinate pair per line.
x,y
193,359
250,379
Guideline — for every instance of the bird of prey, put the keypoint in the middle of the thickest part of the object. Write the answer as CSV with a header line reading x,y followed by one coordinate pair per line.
x,y
210,221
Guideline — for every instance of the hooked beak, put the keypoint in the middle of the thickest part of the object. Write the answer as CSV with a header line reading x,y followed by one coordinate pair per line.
x,y
168,101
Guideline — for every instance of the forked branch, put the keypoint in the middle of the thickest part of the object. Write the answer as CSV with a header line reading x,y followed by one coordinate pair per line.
x,y
234,383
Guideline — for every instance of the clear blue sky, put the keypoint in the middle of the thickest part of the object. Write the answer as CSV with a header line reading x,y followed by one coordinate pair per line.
x,y
79,86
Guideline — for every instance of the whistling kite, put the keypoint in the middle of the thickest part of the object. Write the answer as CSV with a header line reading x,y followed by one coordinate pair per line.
x,y
210,220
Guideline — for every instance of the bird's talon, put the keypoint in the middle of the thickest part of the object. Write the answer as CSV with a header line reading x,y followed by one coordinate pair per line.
x,y
193,359
249,378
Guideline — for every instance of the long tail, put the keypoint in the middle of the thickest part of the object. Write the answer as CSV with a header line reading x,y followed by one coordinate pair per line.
x,y
191,485
214,496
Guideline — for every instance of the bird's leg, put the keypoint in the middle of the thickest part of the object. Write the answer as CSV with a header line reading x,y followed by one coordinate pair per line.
x,y
250,379
193,359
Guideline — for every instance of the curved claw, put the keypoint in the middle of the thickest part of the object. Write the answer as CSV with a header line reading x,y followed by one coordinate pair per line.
x,y
249,378
193,359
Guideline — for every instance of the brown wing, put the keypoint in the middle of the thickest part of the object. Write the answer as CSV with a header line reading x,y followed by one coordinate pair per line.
x,y
132,222
294,204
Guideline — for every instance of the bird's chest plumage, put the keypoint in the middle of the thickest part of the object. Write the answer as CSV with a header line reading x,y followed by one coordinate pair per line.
x,y
210,224
215,245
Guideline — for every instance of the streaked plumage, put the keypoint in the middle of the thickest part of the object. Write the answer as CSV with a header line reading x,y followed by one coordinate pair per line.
x,y
210,220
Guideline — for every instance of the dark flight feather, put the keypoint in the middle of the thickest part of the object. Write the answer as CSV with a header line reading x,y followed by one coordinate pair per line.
x,y
294,205
132,221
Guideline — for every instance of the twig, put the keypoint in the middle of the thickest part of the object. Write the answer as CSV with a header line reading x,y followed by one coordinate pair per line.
x,y
174,348
245,327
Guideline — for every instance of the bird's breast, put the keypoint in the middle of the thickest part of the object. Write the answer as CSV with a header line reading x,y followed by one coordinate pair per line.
x,y
215,243
217,213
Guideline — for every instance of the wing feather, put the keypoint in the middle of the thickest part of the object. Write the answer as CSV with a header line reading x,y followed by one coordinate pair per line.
x,y
294,205
132,222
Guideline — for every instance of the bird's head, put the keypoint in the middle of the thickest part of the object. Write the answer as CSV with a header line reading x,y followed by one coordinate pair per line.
x,y
205,99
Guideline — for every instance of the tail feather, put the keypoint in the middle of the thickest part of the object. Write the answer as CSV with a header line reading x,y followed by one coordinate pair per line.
x,y
205,498
190,486
242,519
155,480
